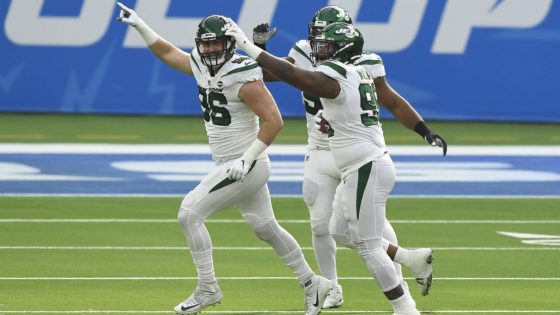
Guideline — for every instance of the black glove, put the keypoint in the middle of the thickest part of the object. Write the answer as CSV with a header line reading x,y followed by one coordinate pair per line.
x,y
262,34
432,138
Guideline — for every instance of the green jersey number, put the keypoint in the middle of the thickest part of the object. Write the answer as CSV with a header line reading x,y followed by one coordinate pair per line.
x,y
368,102
212,112
312,104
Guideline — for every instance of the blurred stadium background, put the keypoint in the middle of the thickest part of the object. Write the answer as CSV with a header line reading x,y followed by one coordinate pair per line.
x,y
99,141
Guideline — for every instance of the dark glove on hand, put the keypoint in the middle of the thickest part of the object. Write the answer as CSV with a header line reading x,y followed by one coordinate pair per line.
x,y
432,138
262,34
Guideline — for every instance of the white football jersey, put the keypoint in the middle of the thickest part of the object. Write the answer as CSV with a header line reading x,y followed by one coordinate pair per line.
x,y
230,124
301,53
355,136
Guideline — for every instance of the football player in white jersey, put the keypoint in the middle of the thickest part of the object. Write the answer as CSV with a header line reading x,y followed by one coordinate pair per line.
x,y
357,144
233,98
321,177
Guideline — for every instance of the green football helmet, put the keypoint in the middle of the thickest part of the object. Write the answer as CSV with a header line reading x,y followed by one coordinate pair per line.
x,y
325,16
212,32
338,41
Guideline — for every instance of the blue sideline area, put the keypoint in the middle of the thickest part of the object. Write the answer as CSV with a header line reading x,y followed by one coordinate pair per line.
x,y
176,174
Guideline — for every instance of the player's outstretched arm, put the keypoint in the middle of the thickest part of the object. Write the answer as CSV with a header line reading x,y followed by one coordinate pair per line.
x,y
405,113
312,82
167,52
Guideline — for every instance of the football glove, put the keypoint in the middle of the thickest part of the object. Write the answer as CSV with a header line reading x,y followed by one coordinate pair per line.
x,y
432,138
242,41
437,141
238,170
128,16
262,34
320,122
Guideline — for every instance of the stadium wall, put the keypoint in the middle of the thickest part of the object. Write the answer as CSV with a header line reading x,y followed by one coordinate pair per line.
x,y
454,60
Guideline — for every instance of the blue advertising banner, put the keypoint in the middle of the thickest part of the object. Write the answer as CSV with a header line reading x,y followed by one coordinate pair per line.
x,y
453,60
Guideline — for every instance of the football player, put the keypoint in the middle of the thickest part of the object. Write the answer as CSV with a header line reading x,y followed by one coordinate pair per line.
x,y
321,177
356,141
233,98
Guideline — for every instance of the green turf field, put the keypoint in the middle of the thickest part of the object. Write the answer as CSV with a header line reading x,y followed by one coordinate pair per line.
x,y
36,128
128,255
72,255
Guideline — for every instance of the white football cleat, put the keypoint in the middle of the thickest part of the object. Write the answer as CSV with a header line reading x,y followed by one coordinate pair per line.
x,y
316,291
204,295
334,298
421,266
405,306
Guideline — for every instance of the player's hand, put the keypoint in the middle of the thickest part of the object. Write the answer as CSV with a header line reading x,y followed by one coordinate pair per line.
x,y
437,141
238,170
237,33
320,122
128,16
262,33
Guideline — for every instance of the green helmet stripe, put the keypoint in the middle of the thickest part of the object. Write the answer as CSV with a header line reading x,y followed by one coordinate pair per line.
x,y
335,67
296,48
249,67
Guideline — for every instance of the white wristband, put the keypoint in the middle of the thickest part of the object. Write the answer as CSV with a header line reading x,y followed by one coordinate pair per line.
x,y
251,49
256,148
148,34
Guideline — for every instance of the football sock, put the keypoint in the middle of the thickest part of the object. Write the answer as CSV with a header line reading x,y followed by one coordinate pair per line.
x,y
379,265
297,262
286,247
390,236
325,253
204,266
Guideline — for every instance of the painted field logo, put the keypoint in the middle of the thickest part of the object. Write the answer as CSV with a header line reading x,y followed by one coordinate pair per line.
x,y
535,239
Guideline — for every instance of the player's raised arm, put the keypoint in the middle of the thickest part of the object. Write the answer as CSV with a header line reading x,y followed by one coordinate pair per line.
x,y
167,52
312,82
405,113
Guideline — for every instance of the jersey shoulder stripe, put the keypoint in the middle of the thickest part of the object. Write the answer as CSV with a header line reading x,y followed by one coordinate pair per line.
x,y
242,69
339,69
301,52
194,62
370,62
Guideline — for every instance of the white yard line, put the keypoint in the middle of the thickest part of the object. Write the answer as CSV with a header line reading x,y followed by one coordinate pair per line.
x,y
277,149
261,278
39,195
180,248
284,312
236,221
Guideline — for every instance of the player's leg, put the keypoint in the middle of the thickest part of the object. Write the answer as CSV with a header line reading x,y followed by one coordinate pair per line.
x,y
418,261
365,194
215,192
320,180
390,243
256,209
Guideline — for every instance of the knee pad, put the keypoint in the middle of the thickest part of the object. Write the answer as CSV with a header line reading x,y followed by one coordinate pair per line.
x,y
344,240
310,190
370,247
267,231
188,217
320,229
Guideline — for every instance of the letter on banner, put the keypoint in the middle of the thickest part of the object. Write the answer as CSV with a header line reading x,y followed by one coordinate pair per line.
x,y
398,33
25,26
181,31
460,17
